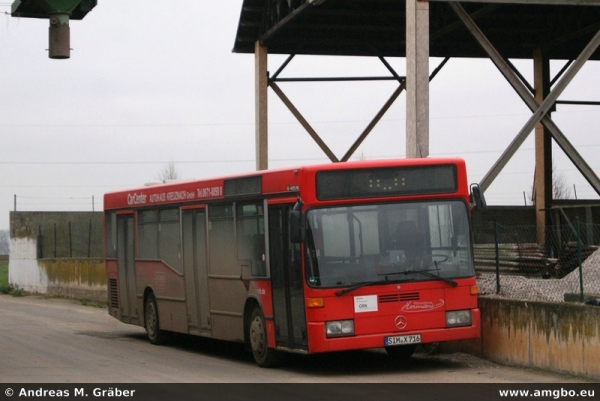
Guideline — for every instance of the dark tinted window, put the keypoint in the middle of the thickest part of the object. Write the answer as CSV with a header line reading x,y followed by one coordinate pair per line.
x,y
242,186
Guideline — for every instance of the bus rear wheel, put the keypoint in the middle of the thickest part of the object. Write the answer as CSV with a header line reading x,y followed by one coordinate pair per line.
x,y
264,356
151,322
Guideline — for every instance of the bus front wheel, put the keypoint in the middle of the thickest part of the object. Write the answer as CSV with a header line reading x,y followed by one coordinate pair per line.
x,y
155,334
264,356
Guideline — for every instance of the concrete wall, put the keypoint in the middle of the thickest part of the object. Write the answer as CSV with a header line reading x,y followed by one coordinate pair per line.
x,y
60,234
564,213
73,277
588,212
79,278
561,337
505,215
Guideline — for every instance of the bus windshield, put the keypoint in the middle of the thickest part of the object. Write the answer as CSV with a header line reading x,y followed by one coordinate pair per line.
x,y
350,245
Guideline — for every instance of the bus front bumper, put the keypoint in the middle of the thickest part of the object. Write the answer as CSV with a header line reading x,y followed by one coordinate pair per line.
x,y
320,343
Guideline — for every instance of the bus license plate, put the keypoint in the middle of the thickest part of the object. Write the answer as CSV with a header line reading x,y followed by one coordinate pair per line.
x,y
401,340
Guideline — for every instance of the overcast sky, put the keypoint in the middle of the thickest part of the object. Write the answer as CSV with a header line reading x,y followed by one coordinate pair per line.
x,y
153,82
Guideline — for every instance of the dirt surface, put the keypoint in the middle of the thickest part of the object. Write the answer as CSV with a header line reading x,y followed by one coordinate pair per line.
x,y
58,341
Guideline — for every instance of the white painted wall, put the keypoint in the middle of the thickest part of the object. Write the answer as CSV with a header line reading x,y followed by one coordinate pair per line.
x,y
23,270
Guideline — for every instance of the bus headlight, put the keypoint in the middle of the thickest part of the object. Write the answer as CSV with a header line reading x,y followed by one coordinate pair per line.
x,y
458,318
339,328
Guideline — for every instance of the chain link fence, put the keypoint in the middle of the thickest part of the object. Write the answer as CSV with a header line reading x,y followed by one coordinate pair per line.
x,y
59,235
564,265
69,239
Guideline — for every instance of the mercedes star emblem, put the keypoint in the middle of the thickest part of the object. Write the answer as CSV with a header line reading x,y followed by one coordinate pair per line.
x,y
400,322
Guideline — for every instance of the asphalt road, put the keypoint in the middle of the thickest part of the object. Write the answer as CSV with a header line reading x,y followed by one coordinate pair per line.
x,y
59,341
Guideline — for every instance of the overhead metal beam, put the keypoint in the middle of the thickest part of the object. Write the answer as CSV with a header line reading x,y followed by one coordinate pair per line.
x,y
374,122
333,79
539,110
578,102
394,77
387,105
535,2
401,79
285,63
562,71
568,76
275,30
573,155
521,77
391,70
482,12
303,122
566,39
438,68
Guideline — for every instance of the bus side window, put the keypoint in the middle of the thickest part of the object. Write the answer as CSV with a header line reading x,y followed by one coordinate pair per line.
x,y
221,243
251,237
111,235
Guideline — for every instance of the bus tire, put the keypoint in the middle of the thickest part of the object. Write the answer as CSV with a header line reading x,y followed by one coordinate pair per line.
x,y
152,323
264,356
401,352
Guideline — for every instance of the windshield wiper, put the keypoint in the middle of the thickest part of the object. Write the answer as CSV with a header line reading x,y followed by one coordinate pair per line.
x,y
425,273
360,285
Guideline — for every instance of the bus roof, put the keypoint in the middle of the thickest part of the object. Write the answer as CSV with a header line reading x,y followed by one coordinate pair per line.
x,y
277,181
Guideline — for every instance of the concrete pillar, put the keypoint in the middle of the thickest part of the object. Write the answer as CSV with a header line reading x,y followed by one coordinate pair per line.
x,y
417,78
261,85
543,149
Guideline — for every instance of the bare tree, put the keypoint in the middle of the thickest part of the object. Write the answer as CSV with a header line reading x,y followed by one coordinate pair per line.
x,y
361,156
168,173
560,188
4,242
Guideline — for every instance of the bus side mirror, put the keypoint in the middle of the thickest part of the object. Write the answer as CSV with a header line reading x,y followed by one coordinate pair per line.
x,y
477,198
297,224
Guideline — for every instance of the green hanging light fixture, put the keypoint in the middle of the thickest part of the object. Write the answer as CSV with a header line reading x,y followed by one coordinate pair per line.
x,y
59,12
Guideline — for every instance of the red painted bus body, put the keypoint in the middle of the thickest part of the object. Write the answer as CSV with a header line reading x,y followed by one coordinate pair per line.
x,y
370,254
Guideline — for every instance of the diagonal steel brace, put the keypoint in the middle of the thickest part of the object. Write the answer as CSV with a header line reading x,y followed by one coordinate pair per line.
x,y
540,110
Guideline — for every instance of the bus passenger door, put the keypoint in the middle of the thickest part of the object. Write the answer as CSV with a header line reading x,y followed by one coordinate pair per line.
x,y
126,266
195,269
286,281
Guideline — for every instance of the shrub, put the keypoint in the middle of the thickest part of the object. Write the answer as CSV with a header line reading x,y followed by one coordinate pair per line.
x,y
6,288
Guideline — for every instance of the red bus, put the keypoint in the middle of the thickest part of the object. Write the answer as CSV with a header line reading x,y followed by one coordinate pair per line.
x,y
340,256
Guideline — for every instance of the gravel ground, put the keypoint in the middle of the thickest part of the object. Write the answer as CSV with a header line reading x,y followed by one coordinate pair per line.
x,y
537,289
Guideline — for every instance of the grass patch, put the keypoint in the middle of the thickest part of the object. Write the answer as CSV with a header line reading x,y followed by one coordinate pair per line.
x,y
4,286
17,292
95,304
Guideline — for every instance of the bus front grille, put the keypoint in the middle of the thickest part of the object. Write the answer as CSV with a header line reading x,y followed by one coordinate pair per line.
x,y
400,297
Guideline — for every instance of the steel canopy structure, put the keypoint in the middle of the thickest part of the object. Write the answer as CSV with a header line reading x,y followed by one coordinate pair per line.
x,y
541,30
377,27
